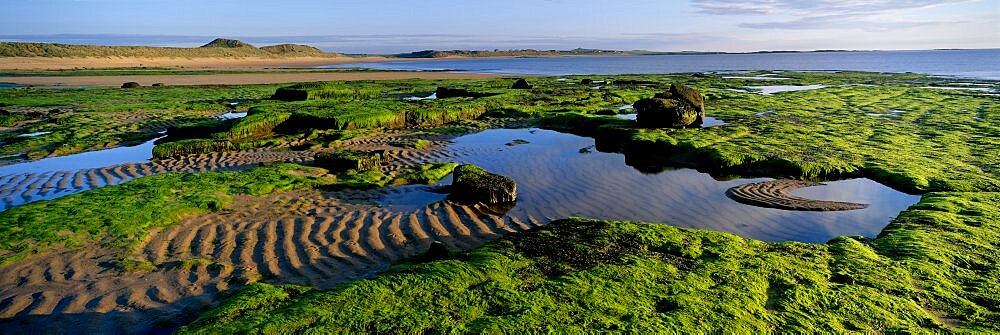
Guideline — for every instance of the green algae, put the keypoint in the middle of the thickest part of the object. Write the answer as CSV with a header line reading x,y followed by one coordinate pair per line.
x,y
578,275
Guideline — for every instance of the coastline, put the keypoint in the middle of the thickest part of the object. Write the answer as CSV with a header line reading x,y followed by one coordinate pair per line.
x,y
237,79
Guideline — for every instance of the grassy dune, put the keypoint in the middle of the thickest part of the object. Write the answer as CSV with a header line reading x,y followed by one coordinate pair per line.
x,y
219,48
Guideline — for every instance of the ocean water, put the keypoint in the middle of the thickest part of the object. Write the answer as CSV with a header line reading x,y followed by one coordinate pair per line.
x,y
979,63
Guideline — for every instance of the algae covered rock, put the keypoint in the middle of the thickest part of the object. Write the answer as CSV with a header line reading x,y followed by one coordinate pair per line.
x,y
521,84
342,160
473,184
446,92
130,84
681,106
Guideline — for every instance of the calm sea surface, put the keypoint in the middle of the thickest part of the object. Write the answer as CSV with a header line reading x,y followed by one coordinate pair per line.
x,y
980,63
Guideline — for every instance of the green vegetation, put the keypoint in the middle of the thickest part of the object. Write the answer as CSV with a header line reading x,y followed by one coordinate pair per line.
x,y
95,118
931,270
219,48
424,174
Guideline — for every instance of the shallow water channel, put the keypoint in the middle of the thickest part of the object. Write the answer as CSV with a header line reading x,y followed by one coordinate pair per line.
x,y
560,175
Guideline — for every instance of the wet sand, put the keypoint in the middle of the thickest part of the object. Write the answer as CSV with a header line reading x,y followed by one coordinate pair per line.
x,y
312,237
237,79
776,194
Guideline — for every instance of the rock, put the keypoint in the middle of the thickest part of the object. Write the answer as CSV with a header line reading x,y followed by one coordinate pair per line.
x,y
521,84
437,251
342,160
444,93
227,43
158,85
682,106
586,81
473,184
130,84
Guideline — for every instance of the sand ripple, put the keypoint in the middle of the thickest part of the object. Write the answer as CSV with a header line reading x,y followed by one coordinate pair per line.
x,y
775,194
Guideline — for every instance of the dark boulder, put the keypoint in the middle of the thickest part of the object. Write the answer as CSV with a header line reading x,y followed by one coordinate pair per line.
x,y
521,84
586,81
473,184
290,94
436,252
158,85
130,84
682,106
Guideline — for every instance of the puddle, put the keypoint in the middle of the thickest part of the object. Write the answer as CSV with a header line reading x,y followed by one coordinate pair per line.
x,y
773,89
38,133
890,113
760,77
980,89
737,90
628,116
709,121
8,86
86,160
624,107
764,113
597,87
556,179
231,115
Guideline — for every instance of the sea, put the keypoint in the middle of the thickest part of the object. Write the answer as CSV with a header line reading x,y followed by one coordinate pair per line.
x,y
970,63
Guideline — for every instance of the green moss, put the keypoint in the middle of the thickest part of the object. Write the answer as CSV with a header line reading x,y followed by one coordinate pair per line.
x,y
424,174
929,266
343,160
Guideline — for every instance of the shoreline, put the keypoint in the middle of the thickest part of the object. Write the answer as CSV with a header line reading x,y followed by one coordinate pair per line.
x,y
236,79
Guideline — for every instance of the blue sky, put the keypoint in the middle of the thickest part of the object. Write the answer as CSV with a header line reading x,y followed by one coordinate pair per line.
x,y
395,26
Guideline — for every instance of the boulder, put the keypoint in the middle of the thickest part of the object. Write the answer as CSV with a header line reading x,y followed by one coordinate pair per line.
x,y
342,160
586,81
473,184
130,84
521,84
158,85
679,107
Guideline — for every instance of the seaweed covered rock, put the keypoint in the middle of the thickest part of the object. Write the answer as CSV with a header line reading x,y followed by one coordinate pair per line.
x,y
473,184
445,92
290,94
130,84
681,106
342,160
521,84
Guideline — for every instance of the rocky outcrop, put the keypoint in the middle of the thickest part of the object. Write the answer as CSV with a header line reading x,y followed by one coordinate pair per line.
x,y
679,107
342,160
445,92
521,84
130,84
473,184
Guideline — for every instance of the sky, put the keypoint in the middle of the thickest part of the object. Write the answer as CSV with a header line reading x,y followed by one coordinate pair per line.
x,y
390,26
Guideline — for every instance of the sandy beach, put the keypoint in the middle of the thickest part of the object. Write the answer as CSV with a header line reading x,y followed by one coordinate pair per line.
x,y
236,79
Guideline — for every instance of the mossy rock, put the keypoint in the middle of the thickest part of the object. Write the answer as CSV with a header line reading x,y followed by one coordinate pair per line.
x,y
679,107
521,84
445,92
290,94
131,84
473,184
342,160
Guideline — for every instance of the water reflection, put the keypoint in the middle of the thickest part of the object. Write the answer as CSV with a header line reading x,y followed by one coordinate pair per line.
x,y
557,179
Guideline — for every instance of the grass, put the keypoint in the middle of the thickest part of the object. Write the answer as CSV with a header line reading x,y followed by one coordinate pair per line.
x,y
931,270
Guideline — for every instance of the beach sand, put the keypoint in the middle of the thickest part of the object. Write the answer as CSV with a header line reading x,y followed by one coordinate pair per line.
x,y
236,79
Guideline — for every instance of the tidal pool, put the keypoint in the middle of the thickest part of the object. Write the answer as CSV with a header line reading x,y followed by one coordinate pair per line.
x,y
709,121
772,89
559,175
